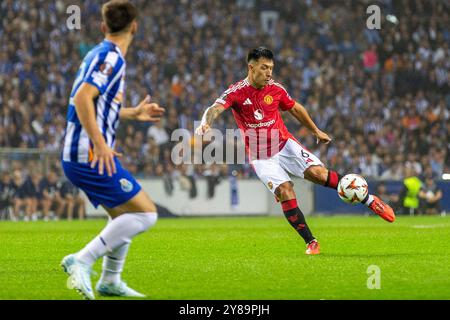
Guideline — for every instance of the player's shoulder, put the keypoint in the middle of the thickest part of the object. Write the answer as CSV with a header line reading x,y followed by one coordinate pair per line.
x,y
273,85
238,86
105,52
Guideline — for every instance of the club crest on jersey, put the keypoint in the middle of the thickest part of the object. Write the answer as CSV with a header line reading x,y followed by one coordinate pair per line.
x,y
106,68
126,185
258,114
268,99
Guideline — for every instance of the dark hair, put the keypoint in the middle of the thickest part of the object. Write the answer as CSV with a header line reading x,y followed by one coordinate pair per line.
x,y
260,52
118,15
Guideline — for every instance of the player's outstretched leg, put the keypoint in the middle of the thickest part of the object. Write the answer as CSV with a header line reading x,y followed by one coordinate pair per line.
x,y
328,178
285,193
128,220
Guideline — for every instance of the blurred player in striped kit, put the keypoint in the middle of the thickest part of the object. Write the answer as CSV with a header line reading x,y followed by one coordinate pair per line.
x,y
90,162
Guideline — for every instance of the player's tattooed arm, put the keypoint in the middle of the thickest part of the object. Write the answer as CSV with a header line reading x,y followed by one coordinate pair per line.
x,y
302,115
208,118
212,113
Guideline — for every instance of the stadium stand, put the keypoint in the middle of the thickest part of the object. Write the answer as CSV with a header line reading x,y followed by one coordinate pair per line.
x,y
383,95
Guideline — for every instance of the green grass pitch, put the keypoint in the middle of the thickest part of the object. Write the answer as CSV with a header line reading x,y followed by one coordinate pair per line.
x,y
242,258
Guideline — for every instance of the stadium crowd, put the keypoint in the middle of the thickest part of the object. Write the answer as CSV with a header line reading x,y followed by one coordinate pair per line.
x,y
52,197
383,95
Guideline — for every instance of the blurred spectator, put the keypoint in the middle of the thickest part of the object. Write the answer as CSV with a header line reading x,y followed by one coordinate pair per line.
x,y
269,16
389,198
168,180
409,196
370,59
388,89
34,194
73,199
20,197
213,178
430,195
6,194
158,133
50,188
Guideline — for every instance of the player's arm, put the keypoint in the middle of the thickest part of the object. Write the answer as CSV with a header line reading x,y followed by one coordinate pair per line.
x,y
422,194
85,108
145,111
302,115
208,118
438,196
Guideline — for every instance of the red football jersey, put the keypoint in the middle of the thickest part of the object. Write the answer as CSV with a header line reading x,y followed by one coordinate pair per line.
x,y
257,115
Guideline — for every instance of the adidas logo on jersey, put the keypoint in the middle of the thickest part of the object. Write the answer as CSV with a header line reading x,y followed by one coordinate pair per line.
x,y
247,102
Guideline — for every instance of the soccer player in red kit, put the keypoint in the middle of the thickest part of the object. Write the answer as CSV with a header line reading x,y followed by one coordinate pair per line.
x,y
273,152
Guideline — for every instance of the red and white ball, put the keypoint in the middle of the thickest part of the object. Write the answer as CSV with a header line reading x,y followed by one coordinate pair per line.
x,y
352,188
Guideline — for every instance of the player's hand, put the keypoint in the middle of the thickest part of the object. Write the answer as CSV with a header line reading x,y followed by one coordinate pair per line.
x,y
147,111
202,129
322,137
104,156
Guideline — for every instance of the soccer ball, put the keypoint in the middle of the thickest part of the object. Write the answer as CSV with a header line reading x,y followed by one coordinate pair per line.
x,y
352,188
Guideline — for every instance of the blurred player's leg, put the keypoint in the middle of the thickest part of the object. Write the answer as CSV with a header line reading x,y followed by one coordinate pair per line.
x,y
28,209
81,207
18,204
128,220
34,208
46,204
59,203
70,206
328,178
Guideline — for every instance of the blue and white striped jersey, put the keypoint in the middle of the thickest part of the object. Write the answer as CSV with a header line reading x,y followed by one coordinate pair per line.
x,y
104,68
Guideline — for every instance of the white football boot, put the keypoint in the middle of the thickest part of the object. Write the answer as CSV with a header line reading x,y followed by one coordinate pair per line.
x,y
117,290
79,276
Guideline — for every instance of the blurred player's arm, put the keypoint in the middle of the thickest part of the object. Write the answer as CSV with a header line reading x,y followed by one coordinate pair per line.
x,y
208,118
85,108
302,115
145,111
437,196
422,194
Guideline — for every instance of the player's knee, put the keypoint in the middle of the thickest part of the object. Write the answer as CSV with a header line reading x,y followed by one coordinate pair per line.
x,y
285,191
147,220
317,174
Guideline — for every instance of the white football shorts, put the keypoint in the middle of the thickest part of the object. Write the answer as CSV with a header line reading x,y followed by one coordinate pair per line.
x,y
293,159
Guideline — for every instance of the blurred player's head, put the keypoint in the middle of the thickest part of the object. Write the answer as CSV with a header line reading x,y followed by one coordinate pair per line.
x,y
260,66
429,180
119,18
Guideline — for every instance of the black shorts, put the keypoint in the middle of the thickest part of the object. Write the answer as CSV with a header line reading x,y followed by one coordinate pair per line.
x,y
429,205
5,203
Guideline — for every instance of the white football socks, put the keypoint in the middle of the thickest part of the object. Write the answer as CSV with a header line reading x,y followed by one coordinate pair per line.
x,y
369,200
113,264
118,232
